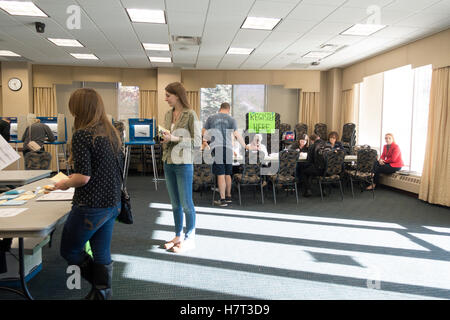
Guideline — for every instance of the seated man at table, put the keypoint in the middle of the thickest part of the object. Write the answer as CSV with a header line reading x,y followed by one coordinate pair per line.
x,y
257,144
314,165
39,133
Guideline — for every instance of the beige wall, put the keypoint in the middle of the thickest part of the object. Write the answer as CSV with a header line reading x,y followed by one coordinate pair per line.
x,y
285,102
15,103
434,50
46,76
308,81
165,76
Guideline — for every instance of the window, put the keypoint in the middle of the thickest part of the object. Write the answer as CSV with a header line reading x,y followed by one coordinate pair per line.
x,y
243,98
397,102
128,102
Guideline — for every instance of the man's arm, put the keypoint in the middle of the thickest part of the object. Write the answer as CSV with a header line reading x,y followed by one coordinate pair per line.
x,y
241,140
49,133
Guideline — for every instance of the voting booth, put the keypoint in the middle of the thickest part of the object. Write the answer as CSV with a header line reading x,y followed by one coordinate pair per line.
x,y
58,125
140,132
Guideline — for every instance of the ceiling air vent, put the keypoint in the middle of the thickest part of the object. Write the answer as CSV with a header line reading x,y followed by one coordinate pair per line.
x,y
186,40
298,65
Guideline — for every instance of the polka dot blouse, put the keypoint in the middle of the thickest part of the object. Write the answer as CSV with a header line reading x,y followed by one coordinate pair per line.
x,y
97,160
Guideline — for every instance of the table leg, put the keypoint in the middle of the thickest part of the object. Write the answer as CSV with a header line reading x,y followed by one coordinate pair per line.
x,y
57,159
22,271
18,161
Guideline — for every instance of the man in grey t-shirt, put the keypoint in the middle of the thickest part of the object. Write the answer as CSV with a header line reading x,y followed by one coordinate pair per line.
x,y
38,132
220,127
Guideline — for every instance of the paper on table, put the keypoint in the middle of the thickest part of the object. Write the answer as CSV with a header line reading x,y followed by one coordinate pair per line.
x,y
56,196
60,176
11,212
26,197
7,154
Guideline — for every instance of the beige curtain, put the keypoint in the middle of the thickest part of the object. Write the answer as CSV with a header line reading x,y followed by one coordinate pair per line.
x,y
435,182
347,109
148,107
44,100
1,102
194,101
308,109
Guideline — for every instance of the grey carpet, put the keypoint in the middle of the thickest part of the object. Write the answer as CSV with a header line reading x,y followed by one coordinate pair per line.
x,y
393,247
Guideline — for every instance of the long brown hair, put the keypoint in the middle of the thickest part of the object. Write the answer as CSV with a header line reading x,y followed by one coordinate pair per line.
x,y
86,105
177,89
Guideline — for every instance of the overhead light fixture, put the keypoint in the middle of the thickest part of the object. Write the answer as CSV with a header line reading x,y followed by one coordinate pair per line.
x,y
156,46
260,23
19,8
240,50
84,56
363,29
66,42
160,59
317,54
149,16
7,53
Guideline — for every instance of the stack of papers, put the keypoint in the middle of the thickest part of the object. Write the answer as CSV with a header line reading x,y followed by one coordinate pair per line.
x,y
58,195
12,202
11,212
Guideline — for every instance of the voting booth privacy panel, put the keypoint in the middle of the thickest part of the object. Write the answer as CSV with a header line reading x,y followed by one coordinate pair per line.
x,y
264,123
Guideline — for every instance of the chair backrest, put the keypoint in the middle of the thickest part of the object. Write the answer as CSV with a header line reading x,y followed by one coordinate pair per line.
x,y
202,171
334,162
37,160
288,162
252,165
300,129
366,158
349,133
321,130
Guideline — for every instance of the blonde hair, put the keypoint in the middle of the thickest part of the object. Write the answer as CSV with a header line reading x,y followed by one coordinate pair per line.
x,y
390,134
86,105
176,88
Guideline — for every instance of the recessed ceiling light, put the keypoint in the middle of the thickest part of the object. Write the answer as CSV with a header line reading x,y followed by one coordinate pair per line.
x,y
87,56
149,16
240,50
317,54
19,8
160,59
66,42
260,23
363,29
156,46
8,53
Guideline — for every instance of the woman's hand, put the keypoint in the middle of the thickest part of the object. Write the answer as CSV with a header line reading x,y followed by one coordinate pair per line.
x,y
381,162
166,136
62,184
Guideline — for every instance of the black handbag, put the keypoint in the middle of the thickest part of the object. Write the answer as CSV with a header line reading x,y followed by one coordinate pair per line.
x,y
125,215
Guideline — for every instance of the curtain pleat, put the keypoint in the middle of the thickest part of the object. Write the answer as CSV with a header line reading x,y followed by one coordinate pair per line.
x,y
193,98
309,109
435,182
347,109
148,104
44,105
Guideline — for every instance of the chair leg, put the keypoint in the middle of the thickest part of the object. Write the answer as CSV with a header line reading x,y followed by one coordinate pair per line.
x,y
342,193
274,193
214,193
262,194
320,186
351,184
296,193
239,191
373,190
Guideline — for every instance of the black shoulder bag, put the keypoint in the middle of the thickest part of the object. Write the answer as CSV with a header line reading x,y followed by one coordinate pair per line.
x,y
125,215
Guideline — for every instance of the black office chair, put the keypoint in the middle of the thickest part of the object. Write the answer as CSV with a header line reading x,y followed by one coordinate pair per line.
x,y
321,130
349,136
334,167
251,172
300,129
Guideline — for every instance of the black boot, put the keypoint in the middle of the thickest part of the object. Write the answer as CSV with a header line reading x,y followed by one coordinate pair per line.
x,y
101,289
87,271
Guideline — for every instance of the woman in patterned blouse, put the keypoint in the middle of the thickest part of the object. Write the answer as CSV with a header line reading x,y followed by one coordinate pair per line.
x,y
97,181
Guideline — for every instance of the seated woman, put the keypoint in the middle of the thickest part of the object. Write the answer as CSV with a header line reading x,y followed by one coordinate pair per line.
x,y
302,144
333,141
390,160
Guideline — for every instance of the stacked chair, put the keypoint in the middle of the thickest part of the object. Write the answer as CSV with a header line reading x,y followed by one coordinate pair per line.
x,y
349,137
321,130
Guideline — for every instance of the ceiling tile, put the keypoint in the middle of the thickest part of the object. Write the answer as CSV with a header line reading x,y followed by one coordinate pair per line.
x,y
308,12
271,9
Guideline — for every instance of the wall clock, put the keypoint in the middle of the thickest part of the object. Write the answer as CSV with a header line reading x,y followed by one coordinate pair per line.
x,y
15,84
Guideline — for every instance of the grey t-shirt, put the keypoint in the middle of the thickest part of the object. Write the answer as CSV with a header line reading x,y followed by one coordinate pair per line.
x,y
224,125
40,132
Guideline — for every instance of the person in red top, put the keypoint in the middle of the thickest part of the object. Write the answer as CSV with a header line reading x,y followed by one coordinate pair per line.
x,y
390,160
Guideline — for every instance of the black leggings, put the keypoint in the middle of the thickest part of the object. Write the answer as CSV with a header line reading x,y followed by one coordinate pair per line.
x,y
385,168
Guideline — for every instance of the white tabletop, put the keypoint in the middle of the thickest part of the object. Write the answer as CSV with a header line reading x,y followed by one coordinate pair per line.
x,y
38,220
21,177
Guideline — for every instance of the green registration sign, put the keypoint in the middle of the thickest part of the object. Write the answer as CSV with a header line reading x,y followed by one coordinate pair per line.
x,y
261,122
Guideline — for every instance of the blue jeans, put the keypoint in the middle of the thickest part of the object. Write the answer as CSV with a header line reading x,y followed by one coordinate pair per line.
x,y
179,179
93,224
